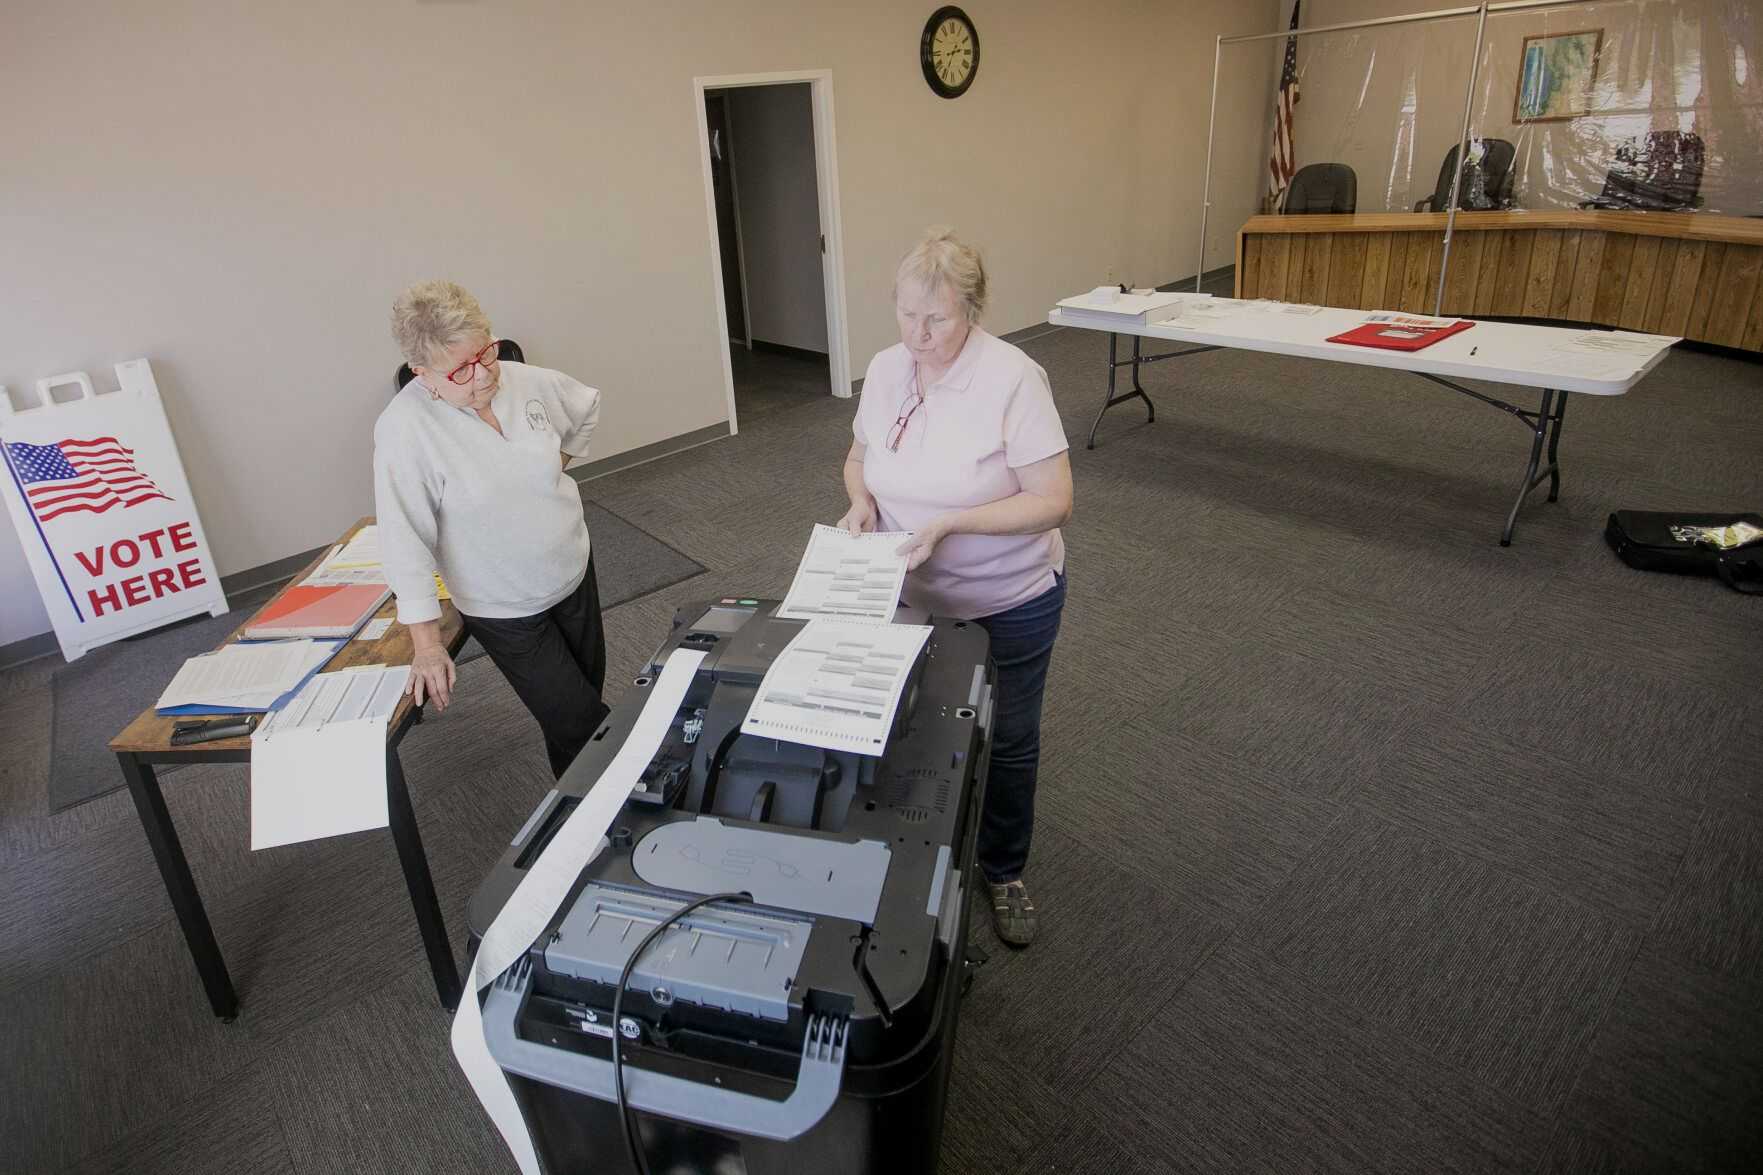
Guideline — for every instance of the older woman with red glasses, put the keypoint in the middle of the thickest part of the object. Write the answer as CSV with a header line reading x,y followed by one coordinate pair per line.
x,y
957,440
468,464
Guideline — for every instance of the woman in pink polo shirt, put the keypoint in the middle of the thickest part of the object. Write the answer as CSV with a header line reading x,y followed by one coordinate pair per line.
x,y
957,440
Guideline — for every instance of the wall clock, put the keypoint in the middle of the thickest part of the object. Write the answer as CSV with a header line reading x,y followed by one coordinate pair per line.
x,y
949,52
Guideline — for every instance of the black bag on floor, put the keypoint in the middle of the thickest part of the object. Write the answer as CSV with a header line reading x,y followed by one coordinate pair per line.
x,y
1645,539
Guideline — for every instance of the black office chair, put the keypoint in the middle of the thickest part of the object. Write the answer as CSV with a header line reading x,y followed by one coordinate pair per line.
x,y
505,349
1663,174
1495,174
1322,187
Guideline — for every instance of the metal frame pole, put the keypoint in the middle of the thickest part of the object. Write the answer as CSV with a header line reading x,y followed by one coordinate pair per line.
x,y
1206,194
1481,25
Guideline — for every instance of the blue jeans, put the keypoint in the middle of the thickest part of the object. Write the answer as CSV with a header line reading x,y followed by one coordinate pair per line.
x,y
1022,648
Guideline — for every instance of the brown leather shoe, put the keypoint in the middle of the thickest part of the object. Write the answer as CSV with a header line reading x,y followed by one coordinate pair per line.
x,y
1013,913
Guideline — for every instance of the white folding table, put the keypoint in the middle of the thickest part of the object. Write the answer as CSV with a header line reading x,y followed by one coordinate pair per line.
x,y
1498,352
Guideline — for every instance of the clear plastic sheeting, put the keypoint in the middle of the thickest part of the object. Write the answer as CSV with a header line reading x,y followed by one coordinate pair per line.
x,y
1651,106
1384,103
1377,110
1629,105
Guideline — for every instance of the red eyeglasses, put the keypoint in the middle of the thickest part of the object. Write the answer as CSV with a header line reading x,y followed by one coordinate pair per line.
x,y
898,432
464,373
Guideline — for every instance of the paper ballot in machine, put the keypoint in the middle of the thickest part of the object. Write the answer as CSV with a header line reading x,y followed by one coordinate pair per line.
x,y
810,1029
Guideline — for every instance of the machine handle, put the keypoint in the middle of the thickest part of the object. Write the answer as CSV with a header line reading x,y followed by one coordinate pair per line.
x,y
817,1082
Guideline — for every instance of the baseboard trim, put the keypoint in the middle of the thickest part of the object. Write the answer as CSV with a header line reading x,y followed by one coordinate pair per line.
x,y
786,349
647,453
277,571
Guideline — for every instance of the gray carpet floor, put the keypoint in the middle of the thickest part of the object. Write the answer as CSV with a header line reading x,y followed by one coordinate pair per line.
x,y
1363,844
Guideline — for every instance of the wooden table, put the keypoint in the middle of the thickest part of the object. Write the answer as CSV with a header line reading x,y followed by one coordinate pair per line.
x,y
1691,274
147,740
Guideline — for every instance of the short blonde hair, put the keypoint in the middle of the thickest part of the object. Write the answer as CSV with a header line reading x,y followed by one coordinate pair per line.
x,y
431,316
942,259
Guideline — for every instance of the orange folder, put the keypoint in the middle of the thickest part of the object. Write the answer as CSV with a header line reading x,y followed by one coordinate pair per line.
x,y
335,611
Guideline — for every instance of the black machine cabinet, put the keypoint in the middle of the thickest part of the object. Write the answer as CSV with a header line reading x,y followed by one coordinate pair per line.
x,y
810,1029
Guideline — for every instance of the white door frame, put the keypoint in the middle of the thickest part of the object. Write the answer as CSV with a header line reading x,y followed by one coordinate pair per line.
x,y
826,174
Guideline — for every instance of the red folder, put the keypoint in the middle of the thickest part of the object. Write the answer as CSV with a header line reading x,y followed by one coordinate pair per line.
x,y
334,611
1396,336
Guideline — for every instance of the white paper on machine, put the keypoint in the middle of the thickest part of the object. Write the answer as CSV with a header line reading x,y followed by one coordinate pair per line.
x,y
837,685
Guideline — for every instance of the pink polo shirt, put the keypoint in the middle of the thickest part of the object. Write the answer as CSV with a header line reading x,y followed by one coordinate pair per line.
x,y
991,414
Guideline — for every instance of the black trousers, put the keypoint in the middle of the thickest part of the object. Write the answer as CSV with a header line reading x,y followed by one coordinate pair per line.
x,y
556,662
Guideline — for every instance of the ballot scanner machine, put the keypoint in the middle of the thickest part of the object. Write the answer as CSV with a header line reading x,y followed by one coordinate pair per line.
x,y
811,1029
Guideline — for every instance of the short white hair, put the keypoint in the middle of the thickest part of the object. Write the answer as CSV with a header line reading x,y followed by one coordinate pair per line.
x,y
431,316
942,259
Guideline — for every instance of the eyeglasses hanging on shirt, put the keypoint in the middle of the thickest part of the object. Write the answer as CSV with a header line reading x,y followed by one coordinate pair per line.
x,y
907,407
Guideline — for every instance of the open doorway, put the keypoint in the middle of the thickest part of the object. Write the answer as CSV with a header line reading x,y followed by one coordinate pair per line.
x,y
771,190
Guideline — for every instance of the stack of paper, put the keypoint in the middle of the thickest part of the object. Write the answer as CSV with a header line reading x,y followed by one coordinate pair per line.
x,y
356,562
243,678
318,765
1121,309
842,574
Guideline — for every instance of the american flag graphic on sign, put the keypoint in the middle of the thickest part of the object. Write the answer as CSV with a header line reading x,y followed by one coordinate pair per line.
x,y
1283,162
94,475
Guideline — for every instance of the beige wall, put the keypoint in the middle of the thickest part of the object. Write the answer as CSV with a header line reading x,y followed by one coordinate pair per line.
x,y
1356,85
237,191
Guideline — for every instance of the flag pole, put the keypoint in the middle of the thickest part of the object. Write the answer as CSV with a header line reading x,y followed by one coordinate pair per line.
x,y
1206,193
1481,24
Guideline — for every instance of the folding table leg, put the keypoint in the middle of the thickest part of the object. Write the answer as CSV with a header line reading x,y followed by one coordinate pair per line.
x,y
1554,441
1138,391
180,886
408,838
1539,432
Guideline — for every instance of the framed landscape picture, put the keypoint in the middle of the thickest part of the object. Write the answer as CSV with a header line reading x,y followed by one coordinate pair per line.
x,y
1555,75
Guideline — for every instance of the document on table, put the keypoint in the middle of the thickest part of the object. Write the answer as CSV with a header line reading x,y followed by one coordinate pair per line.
x,y
837,685
249,675
842,574
1204,308
357,561
1603,354
373,630
318,765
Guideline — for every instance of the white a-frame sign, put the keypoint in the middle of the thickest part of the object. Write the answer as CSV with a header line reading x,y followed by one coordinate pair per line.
x,y
103,510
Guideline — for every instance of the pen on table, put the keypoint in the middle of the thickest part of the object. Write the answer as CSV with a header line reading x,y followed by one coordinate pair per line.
x,y
1473,350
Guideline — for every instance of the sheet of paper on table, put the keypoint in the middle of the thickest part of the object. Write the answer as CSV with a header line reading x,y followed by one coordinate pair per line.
x,y
251,675
837,685
318,765
373,630
842,574
1618,342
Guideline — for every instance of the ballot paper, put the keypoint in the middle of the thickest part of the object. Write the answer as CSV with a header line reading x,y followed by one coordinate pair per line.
x,y
842,574
247,675
837,685
318,764
541,891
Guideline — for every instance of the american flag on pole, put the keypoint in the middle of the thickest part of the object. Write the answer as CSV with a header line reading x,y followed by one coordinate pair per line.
x,y
1283,161
67,476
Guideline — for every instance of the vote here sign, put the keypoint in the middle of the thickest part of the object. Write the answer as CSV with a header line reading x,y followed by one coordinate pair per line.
x,y
103,510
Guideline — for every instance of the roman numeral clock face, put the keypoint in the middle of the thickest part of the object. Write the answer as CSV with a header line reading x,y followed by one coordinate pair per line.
x,y
949,52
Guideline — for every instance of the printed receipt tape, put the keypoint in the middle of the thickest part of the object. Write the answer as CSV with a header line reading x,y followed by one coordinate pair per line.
x,y
543,889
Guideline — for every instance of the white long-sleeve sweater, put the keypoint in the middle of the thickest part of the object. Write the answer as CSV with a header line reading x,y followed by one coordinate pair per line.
x,y
494,514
